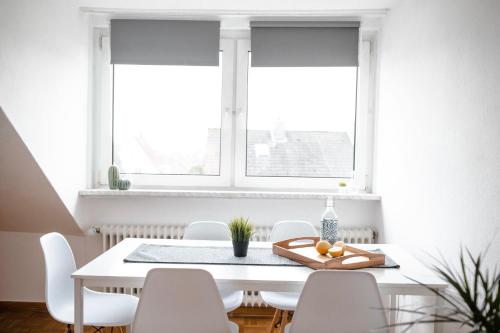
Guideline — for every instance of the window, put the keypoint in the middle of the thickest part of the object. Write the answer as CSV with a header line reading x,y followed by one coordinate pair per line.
x,y
158,128
154,130
234,125
301,121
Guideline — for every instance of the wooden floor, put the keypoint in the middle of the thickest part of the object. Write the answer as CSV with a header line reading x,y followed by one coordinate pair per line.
x,y
252,320
33,317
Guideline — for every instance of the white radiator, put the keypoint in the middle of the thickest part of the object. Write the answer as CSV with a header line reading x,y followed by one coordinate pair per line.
x,y
113,234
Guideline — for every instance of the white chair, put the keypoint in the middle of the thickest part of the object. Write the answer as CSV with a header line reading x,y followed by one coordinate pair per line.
x,y
339,302
100,309
211,230
207,230
285,302
181,300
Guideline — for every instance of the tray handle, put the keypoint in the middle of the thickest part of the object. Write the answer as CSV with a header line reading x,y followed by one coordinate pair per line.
x,y
354,255
286,243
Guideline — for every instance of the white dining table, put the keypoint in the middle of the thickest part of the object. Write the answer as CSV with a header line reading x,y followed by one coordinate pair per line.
x,y
110,270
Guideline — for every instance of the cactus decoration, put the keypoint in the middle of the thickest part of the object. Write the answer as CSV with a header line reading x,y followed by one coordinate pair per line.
x,y
114,180
123,184
113,177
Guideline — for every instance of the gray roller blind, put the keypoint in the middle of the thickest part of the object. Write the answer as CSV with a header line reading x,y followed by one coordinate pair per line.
x,y
161,42
304,44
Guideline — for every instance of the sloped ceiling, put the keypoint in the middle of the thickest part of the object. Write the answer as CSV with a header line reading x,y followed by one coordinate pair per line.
x,y
28,202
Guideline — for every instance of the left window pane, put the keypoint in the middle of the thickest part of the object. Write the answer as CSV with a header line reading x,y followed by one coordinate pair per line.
x,y
167,119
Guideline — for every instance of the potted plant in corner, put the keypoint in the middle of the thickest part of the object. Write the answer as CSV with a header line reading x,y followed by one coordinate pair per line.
x,y
472,301
241,232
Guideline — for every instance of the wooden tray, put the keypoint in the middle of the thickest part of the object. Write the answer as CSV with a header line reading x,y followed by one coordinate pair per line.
x,y
303,250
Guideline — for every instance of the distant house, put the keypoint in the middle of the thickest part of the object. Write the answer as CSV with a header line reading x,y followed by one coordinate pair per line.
x,y
295,154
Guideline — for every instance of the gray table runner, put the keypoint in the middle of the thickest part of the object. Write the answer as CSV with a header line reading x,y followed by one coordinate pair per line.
x,y
168,254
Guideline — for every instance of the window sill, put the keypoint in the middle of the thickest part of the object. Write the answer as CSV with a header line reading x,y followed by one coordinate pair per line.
x,y
233,194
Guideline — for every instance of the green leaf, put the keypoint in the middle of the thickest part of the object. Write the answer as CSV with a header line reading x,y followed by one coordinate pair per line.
x,y
477,304
241,229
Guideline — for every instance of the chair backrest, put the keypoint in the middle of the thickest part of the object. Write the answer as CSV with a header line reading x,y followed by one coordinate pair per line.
x,y
339,301
59,265
180,300
292,229
207,230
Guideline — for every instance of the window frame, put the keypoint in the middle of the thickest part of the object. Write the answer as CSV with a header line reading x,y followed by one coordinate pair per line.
x,y
233,125
104,110
363,126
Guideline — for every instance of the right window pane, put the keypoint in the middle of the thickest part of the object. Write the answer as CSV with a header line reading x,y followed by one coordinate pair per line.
x,y
301,122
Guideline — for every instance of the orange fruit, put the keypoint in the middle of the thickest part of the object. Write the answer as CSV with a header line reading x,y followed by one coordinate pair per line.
x,y
336,251
342,245
323,246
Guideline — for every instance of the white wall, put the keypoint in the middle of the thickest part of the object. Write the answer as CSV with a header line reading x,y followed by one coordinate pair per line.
x,y
28,202
43,92
98,211
21,263
44,87
438,127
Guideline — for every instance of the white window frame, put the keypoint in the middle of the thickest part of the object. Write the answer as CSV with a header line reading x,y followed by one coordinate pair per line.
x,y
104,111
362,140
233,126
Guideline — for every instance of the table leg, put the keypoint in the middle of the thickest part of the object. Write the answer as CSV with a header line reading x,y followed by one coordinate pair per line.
x,y
78,306
392,314
439,302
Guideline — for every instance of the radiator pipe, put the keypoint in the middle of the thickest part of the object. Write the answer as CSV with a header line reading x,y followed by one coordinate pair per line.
x,y
93,230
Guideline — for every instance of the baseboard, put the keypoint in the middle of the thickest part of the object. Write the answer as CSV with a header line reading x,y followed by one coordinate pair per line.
x,y
7,306
251,311
244,311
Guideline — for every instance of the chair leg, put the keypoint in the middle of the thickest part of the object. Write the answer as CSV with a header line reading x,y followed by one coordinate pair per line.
x,y
275,321
279,319
284,321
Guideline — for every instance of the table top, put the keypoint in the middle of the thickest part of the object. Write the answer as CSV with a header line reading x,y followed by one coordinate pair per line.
x,y
109,270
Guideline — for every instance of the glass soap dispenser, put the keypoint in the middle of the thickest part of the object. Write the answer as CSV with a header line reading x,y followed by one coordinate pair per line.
x,y
329,228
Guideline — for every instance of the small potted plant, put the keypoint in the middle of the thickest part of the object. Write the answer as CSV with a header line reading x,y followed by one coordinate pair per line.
x,y
342,186
241,232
